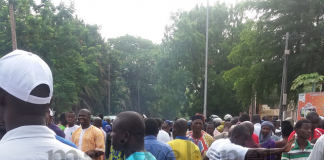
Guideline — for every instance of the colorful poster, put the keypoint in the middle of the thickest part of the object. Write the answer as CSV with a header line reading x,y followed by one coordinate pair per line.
x,y
308,102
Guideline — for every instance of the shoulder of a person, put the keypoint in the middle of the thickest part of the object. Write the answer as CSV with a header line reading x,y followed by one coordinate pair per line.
x,y
93,128
78,129
208,136
320,140
320,130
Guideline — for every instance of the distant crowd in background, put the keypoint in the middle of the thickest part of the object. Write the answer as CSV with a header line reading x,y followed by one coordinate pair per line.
x,y
27,129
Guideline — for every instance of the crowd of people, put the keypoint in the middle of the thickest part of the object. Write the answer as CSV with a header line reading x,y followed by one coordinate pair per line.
x,y
28,131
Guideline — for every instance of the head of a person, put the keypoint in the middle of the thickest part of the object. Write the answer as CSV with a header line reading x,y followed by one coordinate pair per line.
x,y
26,89
70,118
303,128
197,124
166,127
265,118
84,117
227,117
179,128
151,127
210,128
239,135
63,119
244,117
276,124
266,128
256,119
128,132
314,119
249,125
97,122
234,120
159,122
108,120
286,131
101,116
217,122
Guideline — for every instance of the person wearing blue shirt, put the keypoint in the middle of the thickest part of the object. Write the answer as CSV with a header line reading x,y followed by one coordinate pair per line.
x,y
160,150
104,123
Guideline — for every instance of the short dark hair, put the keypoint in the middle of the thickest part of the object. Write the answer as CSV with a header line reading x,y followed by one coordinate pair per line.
x,y
70,112
62,117
286,130
300,123
256,118
131,122
159,122
244,117
234,120
240,130
151,127
101,116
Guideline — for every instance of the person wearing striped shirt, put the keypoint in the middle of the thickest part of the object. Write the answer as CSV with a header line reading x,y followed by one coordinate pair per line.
x,y
303,147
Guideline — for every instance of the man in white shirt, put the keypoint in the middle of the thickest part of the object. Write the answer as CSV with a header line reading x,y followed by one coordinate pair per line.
x,y
26,89
317,152
163,136
229,149
256,120
70,118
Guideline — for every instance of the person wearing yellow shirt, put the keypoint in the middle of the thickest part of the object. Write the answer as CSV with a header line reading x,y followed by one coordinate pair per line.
x,y
182,147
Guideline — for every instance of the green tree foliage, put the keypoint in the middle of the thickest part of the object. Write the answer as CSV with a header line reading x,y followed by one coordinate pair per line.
x,y
305,82
184,46
258,57
167,80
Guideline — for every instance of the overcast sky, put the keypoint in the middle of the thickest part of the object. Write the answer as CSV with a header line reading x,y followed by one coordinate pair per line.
x,y
143,18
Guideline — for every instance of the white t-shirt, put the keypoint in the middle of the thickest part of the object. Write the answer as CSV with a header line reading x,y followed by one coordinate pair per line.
x,y
163,136
317,152
68,131
36,142
81,137
257,129
104,133
224,149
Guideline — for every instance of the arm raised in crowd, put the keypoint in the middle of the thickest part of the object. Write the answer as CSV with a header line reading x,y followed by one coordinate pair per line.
x,y
263,152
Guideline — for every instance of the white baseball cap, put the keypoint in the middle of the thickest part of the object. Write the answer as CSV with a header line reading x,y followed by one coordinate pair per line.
x,y
21,72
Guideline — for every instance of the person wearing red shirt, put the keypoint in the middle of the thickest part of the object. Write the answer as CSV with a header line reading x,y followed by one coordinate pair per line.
x,y
316,132
255,138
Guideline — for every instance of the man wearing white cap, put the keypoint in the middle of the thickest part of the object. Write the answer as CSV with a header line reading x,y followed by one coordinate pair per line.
x,y
26,89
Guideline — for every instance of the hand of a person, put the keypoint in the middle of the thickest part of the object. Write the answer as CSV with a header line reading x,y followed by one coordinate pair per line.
x,y
289,146
90,153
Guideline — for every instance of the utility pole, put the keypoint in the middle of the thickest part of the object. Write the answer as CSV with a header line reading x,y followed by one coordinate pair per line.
x,y
283,95
206,63
13,28
109,90
138,98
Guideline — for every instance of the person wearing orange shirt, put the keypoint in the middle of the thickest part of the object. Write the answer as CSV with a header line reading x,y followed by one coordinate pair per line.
x,y
88,138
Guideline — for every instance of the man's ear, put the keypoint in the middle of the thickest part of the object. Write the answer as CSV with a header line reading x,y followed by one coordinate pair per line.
x,y
127,136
